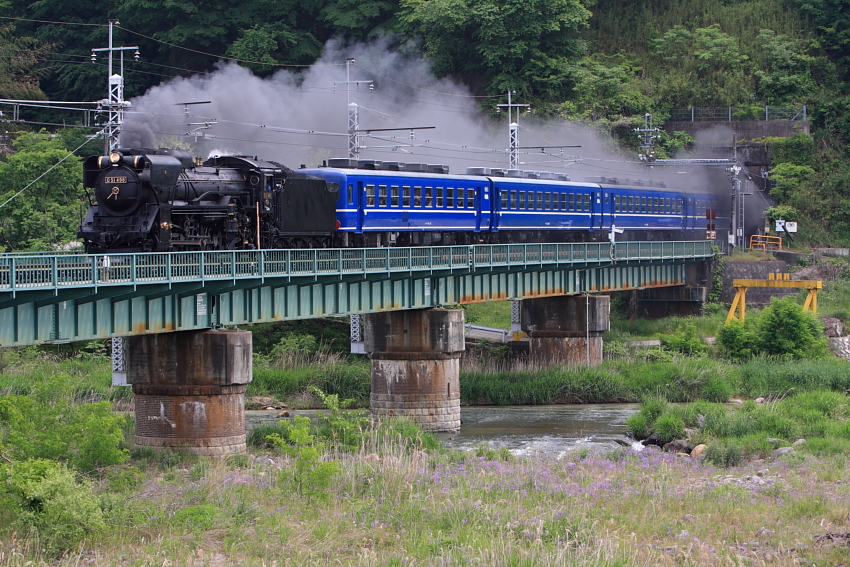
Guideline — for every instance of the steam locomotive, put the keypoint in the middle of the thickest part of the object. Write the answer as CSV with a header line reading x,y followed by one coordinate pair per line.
x,y
161,200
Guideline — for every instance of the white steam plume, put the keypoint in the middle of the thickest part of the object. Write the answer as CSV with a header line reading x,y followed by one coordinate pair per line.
x,y
261,116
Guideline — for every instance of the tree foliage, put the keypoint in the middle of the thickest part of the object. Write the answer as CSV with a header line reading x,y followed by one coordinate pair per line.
x,y
21,65
48,212
784,77
705,67
525,45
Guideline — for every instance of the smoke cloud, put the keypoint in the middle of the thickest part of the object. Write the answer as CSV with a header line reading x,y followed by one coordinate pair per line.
x,y
301,117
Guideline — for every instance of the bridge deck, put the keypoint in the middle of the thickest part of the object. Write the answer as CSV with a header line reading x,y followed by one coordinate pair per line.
x,y
63,297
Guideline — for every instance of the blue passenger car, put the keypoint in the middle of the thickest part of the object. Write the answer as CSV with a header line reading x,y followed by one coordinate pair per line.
x,y
417,204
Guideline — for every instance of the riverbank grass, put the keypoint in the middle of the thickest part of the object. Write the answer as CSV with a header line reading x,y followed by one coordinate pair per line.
x,y
390,503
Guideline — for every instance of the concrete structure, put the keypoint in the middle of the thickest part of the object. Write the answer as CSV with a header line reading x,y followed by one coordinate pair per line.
x,y
566,328
753,269
416,365
743,129
190,389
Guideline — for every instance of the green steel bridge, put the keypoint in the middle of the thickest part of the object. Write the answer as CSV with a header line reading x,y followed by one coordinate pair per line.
x,y
67,297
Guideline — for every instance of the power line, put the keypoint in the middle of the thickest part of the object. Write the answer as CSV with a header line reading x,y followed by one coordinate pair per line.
x,y
52,167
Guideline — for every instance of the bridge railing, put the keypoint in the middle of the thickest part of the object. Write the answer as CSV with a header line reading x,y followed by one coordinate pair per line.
x,y
23,272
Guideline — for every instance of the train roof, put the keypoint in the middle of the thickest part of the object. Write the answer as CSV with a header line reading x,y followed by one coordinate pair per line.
x,y
496,180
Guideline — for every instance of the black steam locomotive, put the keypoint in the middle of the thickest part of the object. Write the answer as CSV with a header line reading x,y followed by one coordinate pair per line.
x,y
160,200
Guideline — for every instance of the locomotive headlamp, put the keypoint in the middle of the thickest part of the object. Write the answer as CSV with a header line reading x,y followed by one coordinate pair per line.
x,y
114,157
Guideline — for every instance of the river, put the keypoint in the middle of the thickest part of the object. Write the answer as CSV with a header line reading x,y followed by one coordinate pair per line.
x,y
551,431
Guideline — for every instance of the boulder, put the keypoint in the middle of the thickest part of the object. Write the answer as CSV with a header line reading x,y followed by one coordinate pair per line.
x,y
798,442
652,440
697,451
782,451
679,446
833,327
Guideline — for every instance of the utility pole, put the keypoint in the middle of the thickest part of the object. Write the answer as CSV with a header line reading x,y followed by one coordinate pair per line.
x,y
516,305
514,139
353,110
647,146
114,104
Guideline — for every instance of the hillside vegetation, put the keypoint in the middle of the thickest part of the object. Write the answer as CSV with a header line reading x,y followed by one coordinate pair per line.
x,y
603,62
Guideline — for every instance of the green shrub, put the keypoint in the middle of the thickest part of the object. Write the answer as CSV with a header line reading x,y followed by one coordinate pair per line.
x,y
669,427
258,436
652,408
638,425
687,342
785,329
312,477
738,339
86,436
723,453
61,509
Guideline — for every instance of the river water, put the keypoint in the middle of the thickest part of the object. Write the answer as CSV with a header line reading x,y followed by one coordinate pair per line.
x,y
550,431
543,430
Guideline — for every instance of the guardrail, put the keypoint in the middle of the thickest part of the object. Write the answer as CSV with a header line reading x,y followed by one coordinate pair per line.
x,y
738,113
61,271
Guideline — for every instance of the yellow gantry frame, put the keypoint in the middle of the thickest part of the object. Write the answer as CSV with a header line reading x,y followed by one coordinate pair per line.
x,y
774,280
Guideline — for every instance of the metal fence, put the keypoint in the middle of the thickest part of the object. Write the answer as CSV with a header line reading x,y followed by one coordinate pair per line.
x,y
22,272
738,113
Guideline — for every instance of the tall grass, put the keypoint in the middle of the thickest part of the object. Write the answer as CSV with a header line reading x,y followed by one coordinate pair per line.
x,y
681,379
765,376
292,373
623,329
395,504
29,371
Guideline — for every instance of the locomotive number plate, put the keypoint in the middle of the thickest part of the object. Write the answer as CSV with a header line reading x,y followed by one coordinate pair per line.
x,y
115,180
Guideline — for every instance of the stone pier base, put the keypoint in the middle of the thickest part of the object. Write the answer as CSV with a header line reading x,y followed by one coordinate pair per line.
x,y
190,389
569,350
416,365
566,329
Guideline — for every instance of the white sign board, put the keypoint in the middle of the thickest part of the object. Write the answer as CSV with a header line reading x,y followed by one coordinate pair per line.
x,y
780,225
791,226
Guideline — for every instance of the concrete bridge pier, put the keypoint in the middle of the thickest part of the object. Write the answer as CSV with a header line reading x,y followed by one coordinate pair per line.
x,y
566,328
190,389
416,365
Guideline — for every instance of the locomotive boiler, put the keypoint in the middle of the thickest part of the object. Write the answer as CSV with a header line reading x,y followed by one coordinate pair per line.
x,y
160,200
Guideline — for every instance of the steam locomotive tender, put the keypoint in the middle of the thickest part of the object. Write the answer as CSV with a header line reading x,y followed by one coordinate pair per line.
x,y
160,200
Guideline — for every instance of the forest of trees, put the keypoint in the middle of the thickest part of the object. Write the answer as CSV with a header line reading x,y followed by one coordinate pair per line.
x,y
605,62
